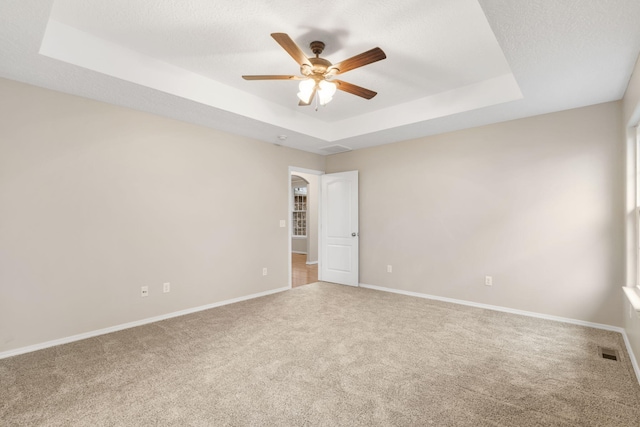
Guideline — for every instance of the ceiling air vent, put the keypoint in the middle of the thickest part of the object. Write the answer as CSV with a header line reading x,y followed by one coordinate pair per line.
x,y
335,149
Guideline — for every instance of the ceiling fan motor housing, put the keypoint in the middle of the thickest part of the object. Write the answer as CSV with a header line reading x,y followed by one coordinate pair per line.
x,y
319,65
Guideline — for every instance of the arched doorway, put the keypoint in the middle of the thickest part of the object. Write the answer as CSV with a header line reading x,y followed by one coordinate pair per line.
x,y
304,239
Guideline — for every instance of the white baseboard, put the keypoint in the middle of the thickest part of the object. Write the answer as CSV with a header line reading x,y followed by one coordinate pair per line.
x,y
116,328
312,262
634,361
632,356
120,327
298,252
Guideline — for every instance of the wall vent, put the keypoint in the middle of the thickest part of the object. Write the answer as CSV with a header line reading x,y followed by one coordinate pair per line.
x,y
335,149
608,353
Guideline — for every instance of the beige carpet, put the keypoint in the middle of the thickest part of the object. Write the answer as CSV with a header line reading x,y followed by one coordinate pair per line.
x,y
328,355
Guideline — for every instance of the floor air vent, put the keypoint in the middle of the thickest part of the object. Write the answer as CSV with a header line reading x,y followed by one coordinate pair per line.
x,y
608,353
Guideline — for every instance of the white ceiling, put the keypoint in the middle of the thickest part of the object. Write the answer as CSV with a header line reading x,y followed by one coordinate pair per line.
x,y
451,64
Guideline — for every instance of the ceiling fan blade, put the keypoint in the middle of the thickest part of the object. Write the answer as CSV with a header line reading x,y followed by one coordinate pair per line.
x,y
355,90
365,58
268,77
292,48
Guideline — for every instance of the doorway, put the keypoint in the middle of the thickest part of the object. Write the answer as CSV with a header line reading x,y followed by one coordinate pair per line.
x,y
304,195
330,224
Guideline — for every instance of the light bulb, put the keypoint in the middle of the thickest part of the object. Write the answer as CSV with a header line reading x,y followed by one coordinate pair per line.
x,y
326,91
306,90
328,87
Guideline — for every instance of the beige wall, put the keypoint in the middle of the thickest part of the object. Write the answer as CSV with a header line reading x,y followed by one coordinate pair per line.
x,y
97,201
299,245
631,117
536,203
631,100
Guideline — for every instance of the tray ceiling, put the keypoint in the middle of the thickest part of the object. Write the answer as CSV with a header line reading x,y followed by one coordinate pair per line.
x,y
450,64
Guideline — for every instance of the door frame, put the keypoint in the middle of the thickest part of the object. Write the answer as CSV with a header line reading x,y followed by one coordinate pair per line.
x,y
294,169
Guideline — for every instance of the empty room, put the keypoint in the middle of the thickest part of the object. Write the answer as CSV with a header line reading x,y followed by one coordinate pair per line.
x,y
319,213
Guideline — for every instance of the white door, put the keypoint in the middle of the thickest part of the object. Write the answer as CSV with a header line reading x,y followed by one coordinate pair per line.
x,y
339,228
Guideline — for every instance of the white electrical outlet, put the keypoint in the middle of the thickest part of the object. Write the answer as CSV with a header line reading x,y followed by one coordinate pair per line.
x,y
389,269
488,281
264,271
144,291
283,223
166,287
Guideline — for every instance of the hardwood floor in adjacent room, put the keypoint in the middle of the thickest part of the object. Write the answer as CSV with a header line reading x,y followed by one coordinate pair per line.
x,y
302,273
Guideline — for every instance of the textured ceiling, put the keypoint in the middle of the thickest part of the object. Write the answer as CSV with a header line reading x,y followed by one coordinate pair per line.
x,y
451,64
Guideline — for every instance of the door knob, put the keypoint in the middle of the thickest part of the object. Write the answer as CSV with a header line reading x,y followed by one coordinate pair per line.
x,y
354,234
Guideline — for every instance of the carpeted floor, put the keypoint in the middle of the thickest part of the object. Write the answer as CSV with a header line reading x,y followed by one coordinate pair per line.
x,y
328,355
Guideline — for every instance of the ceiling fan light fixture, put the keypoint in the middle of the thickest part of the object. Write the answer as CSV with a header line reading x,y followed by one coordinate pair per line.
x,y
306,90
324,100
316,71
326,90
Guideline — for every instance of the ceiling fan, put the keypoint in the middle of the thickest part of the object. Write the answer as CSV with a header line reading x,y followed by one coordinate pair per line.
x,y
317,73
